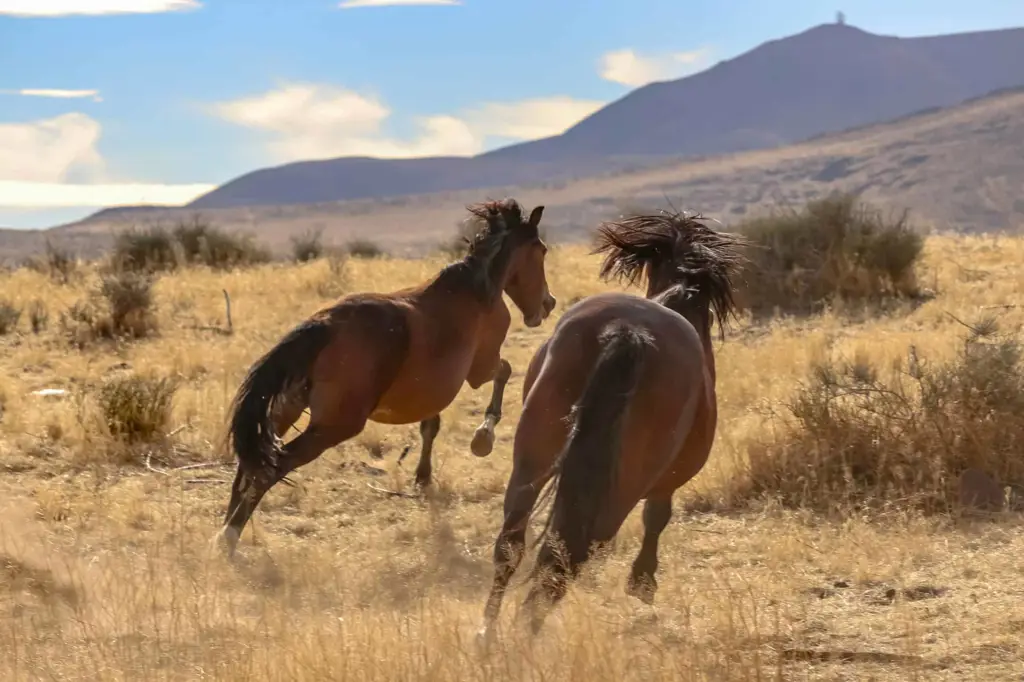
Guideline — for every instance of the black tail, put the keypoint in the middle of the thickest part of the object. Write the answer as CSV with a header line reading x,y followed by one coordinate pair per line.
x,y
585,473
251,431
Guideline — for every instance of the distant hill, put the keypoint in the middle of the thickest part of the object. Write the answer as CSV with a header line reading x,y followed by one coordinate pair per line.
x,y
824,80
959,168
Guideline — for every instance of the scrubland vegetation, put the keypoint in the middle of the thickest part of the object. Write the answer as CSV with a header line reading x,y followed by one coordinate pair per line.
x,y
858,519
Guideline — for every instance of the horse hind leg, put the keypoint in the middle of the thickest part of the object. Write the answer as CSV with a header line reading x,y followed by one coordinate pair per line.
x,y
555,569
642,584
520,496
483,438
325,430
288,408
429,429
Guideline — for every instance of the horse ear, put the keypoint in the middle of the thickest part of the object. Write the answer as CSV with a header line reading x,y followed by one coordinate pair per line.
x,y
535,216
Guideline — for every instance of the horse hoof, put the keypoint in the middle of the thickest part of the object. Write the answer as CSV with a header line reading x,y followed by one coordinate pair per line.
x,y
225,542
484,639
642,591
482,443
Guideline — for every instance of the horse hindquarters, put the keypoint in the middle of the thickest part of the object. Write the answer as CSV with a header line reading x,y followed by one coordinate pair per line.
x,y
587,470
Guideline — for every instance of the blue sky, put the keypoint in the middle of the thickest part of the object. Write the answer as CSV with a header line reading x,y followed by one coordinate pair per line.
x,y
128,101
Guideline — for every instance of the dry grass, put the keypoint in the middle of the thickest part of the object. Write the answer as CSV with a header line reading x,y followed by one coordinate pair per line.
x,y
105,571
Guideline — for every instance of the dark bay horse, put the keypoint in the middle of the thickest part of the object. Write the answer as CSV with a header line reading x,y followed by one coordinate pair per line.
x,y
395,358
619,405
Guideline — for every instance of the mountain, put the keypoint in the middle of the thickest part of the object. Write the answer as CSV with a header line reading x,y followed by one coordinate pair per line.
x,y
827,79
958,168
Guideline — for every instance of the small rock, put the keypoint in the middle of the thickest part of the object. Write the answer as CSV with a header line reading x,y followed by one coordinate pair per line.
x,y
50,392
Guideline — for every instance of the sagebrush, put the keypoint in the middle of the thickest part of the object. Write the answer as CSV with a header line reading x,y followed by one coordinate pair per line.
x,y
832,249
857,436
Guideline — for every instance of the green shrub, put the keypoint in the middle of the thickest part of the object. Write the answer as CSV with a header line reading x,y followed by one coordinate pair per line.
x,y
834,249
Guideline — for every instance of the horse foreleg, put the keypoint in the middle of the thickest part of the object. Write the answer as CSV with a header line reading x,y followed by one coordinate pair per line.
x,y
483,438
642,583
429,429
520,496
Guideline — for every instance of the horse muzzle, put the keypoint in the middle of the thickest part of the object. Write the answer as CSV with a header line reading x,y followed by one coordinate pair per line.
x,y
546,307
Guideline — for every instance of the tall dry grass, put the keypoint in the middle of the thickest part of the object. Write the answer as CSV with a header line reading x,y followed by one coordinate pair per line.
x,y
105,569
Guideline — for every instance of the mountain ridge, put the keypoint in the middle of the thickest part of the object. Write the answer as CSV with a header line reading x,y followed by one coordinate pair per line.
x,y
825,79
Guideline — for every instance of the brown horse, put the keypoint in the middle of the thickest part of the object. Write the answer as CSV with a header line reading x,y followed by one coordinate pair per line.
x,y
396,358
619,405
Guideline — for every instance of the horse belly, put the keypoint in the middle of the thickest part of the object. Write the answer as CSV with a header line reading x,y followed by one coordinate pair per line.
x,y
415,396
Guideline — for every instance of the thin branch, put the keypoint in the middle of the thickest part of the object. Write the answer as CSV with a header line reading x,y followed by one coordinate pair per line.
x,y
390,493
227,309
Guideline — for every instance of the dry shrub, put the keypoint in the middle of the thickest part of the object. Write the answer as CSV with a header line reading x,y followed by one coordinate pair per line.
x,y
148,250
129,297
457,246
308,246
336,281
122,307
137,408
365,248
193,242
857,439
205,244
834,249
9,316
38,316
60,265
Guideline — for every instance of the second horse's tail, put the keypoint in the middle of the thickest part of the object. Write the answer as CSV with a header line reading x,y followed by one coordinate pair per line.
x,y
586,470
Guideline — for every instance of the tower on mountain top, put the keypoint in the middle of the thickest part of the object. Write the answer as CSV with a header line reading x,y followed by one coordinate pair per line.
x,y
840,18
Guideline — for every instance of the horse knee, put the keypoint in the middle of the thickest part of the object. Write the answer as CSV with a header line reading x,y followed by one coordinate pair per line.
x,y
504,371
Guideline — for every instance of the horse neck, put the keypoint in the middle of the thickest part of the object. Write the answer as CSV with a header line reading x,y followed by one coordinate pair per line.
x,y
461,282
697,314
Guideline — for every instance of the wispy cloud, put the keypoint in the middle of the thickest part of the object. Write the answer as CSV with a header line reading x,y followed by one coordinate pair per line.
x,y
313,121
353,4
55,93
62,8
632,69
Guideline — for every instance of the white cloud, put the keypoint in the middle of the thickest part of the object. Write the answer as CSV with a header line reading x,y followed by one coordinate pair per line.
x,y
15,194
629,68
55,163
55,93
62,8
310,121
353,4
50,150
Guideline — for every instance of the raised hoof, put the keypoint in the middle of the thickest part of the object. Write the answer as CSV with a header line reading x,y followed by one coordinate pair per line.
x,y
644,591
482,443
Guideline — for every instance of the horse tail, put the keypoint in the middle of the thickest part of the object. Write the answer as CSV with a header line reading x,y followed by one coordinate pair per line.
x,y
586,471
251,431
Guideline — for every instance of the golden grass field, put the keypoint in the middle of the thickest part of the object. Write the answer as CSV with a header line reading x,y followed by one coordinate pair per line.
x,y
106,570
